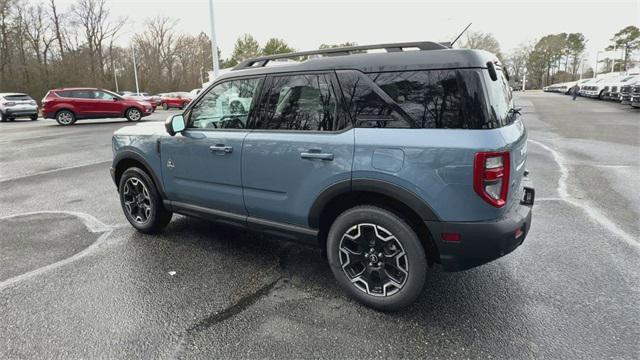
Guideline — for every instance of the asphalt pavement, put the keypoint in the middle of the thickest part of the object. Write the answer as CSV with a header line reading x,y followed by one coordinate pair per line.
x,y
76,281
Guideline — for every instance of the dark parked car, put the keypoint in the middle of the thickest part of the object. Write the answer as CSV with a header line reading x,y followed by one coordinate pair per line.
x,y
69,105
391,162
17,105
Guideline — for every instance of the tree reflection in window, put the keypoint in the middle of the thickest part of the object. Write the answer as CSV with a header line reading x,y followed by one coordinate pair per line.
x,y
299,102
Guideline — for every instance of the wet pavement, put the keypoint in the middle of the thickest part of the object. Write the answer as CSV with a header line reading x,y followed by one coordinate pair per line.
x,y
76,281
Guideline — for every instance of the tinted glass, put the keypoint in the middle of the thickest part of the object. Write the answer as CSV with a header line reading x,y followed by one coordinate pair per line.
x,y
366,103
18,97
225,106
300,102
81,94
500,101
101,95
437,99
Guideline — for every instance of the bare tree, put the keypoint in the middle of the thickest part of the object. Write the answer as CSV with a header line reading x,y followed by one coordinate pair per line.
x,y
94,19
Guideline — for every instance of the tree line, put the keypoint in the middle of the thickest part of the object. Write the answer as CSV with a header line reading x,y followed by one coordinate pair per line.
x,y
44,46
561,57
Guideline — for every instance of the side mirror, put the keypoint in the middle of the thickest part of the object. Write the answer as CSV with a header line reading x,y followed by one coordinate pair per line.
x,y
175,124
115,99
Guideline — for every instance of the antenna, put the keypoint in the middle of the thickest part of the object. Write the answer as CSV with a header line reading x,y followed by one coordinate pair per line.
x,y
463,31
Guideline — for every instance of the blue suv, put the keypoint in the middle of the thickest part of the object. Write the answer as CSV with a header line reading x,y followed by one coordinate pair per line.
x,y
389,161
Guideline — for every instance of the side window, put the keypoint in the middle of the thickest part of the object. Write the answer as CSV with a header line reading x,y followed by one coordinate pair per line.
x,y
81,94
438,99
366,106
301,102
101,95
225,106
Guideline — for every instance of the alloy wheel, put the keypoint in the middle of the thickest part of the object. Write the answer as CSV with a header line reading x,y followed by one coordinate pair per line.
x,y
373,259
65,118
137,201
134,114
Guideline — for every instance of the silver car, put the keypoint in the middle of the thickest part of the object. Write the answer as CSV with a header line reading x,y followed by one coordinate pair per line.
x,y
15,105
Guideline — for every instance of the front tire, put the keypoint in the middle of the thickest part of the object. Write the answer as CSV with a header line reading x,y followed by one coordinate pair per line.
x,y
376,257
65,118
133,114
141,202
34,118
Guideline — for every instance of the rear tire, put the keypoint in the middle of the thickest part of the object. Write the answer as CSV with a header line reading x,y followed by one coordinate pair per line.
x,y
165,106
65,118
141,203
34,118
3,117
389,277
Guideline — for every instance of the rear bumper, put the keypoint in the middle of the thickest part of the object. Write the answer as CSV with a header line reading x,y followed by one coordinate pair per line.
x,y
21,112
481,242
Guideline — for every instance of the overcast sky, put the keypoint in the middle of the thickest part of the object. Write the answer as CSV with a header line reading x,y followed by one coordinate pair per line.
x,y
305,24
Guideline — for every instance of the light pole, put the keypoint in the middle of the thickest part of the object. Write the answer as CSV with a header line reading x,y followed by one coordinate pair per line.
x,y
115,77
595,72
214,42
613,58
524,80
135,68
582,67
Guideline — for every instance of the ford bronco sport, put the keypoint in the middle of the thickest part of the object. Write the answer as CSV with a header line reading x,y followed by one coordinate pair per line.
x,y
389,161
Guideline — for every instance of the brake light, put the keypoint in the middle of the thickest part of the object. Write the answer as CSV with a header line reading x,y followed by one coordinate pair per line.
x,y
491,177
9,103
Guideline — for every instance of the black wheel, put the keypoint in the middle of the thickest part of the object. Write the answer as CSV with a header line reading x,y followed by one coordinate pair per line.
x,y
141,203
376,257
34,117
65,117
3,117
133,114
12,119
165,106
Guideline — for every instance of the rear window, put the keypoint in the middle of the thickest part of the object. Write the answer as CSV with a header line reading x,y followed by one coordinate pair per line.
x,y
432,99
18,97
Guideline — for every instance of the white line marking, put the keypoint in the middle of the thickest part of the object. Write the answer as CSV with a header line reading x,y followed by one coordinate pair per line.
x,y
594,213
53,171
93,225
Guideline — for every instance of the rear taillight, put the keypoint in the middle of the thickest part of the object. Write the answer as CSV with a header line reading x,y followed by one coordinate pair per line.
x,y
491,177
9,103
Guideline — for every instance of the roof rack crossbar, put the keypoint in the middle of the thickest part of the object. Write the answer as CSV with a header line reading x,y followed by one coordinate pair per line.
x,y
348,50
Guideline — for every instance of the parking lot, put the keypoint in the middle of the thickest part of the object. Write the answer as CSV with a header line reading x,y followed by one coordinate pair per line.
x,y
76,281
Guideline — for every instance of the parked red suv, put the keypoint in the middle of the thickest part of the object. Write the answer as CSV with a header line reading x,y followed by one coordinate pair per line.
x,y
71,104
175,100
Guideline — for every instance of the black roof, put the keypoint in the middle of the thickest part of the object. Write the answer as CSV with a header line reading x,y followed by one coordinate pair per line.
x,y
376,62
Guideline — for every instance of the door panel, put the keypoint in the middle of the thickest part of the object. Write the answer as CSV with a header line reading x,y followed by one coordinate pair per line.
x,y
300,145
281,183
195,172
202,165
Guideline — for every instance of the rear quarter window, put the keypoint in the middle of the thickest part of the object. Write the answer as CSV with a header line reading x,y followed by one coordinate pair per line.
x,y
428,99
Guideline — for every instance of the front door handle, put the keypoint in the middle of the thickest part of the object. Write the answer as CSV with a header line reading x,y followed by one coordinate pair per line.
x,y
316,154
221,148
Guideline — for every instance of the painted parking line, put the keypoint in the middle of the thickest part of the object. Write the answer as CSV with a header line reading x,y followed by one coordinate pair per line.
x,y
90,222
591,211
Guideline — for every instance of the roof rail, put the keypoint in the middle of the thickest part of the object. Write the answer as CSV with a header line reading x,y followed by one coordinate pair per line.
x,y
391,47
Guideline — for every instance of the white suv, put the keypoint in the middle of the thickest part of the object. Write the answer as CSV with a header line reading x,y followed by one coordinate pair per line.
x,y
15,105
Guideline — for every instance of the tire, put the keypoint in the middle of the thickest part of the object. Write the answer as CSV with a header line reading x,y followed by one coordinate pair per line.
x,y
3,117
408,266
34,117
165,106
65,118
600,96
133,114
141,202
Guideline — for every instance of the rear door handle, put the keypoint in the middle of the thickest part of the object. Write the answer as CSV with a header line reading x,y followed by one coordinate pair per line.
x,y
221,148
316,154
